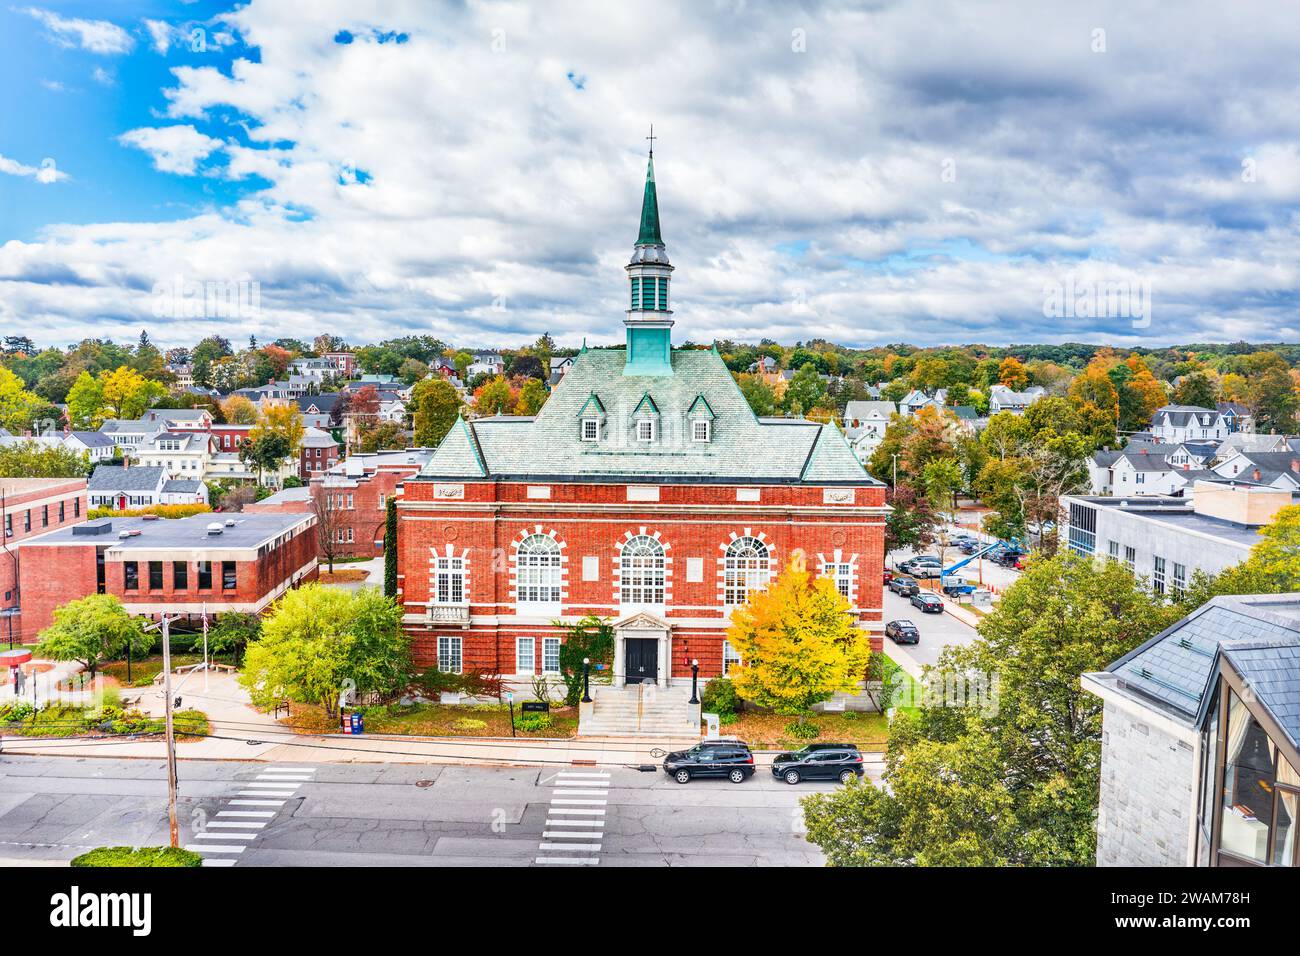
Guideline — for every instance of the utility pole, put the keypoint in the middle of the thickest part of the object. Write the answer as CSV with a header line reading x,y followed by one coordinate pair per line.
x,y
165,625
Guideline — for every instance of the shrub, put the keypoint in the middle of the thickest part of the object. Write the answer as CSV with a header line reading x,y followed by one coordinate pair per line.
x,y
720,697
469,723
533,722
16,712
162,511
138,856
803,730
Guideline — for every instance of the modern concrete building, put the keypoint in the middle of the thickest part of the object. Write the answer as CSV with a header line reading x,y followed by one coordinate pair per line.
x,y
1200,759
1168,539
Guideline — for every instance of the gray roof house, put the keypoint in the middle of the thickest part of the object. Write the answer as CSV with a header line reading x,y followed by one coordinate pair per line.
x,y
98,445
121,487
1200,759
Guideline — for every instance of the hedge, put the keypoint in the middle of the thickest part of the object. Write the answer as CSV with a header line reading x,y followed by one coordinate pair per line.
x,y
138,856
162,511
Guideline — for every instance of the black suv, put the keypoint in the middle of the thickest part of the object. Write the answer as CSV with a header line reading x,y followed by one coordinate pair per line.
x,y
840,762
711,758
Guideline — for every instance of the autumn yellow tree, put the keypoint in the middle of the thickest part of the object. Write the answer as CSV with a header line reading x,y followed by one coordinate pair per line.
x,y
798,643
239,410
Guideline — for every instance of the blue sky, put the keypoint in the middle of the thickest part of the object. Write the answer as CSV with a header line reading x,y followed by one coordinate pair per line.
x,y
865,173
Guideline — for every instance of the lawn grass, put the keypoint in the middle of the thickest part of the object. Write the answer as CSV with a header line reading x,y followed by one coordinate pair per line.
x,y
145,670
343,576
768,731
438,720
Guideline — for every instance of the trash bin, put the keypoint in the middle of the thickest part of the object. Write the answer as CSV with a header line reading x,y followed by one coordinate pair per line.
x,y
358,725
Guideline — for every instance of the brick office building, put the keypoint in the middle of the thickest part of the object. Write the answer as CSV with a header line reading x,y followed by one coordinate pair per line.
x,y
357,489
176,566
30,507
646,492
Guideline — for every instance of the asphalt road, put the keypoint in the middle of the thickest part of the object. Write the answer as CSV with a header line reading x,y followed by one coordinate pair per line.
x,y
258,814
937,632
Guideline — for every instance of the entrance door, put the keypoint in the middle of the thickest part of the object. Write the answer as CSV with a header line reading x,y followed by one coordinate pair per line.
x,y
642,660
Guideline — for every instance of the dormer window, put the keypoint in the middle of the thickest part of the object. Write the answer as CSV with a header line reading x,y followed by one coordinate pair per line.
x,y
591,429
700,430
645,429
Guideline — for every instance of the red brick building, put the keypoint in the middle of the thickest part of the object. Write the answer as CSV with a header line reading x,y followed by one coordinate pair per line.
x,y
176,566
317,453
29,508
357,488
646,492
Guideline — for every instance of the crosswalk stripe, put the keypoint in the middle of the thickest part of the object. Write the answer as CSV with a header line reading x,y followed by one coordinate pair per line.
x,y
217,861
573,775
213,848
233,825
568,846
582,793
225,836
245,813
576,812
295,769
570,834
257,803
571,802
569,860
575,823
271,786
266,793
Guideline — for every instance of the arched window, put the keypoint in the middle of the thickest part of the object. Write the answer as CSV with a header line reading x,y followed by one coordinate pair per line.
x,y
641,571
747,566
539,570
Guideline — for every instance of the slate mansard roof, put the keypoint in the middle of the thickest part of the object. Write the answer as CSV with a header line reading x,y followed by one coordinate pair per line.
x,y
741,449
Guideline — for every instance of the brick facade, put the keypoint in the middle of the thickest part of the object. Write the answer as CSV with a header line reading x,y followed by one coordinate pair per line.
x,y
29,508
591,523
271,554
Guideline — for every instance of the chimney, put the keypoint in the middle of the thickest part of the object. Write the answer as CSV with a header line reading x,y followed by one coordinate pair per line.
x,y
1257,474
1295,465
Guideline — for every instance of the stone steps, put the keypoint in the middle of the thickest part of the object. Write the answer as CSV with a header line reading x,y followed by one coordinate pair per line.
x,y
640,711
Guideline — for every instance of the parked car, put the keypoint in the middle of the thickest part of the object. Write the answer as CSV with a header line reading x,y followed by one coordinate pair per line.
x,y
889,576
969,547
924,569
904,586
929,603
1008,557
840,762
711,758
902,632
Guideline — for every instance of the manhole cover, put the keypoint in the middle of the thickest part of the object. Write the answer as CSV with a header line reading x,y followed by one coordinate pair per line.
x,y
424,783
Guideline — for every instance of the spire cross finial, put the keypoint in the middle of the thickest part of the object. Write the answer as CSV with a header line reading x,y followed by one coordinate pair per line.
x,y
652,139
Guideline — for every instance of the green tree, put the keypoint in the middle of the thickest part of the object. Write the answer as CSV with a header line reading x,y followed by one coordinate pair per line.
x,y
1011,776
532,396
30,459
233,632
1196,389
590,638
319,641
264,452
85,402
911,522
759,394
805,390
390,547
91,630
437,405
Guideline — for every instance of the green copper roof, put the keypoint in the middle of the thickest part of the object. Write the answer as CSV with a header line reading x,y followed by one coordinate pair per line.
x,y
650,210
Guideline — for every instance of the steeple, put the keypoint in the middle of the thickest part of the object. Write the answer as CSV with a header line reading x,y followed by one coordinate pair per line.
x,y
649,320
650,208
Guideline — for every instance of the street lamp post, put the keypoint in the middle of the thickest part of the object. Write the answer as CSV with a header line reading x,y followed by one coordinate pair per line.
x,y
165,626
695,682
894,456
586,680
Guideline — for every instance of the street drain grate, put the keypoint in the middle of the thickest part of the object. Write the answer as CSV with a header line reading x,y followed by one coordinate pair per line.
x,y
424,783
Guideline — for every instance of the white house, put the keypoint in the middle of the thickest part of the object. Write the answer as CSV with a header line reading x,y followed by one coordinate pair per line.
x,y
97,445
1180,423
1278,469
915,400
180,454
1003,399
1143,473
865,424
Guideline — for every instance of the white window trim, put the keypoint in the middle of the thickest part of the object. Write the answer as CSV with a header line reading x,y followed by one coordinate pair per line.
x,y
531,656
458,644
594,424
547,642
645,421
708,430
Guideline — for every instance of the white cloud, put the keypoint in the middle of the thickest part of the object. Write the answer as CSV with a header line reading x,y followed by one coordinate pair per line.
x,y
160,34
102,76
47,172
175,149
416,186
97,36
